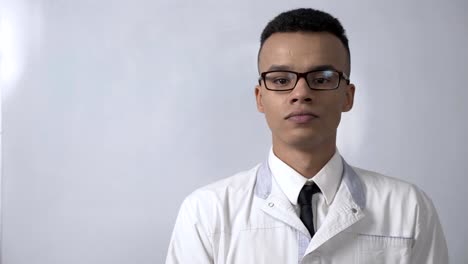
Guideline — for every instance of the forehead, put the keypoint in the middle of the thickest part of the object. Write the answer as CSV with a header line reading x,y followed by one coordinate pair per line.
x,y
303,51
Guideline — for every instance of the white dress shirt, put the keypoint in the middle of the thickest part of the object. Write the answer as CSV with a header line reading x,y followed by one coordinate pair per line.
x,y
250,218
290,181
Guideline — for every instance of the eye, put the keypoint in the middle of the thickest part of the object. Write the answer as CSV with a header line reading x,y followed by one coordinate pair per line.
x,y
323,79
320,80
281,81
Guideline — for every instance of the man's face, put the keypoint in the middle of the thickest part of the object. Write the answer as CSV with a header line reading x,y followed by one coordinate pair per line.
x,y
319,111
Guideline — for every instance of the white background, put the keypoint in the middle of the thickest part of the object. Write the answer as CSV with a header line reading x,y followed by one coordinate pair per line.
x,y
114,111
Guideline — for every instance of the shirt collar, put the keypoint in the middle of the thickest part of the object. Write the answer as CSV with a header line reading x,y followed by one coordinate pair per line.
x,y
291,182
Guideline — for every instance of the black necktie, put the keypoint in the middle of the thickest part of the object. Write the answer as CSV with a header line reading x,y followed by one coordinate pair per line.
x,y
305,202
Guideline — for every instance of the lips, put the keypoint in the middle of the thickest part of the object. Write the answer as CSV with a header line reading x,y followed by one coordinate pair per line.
x,y
301,117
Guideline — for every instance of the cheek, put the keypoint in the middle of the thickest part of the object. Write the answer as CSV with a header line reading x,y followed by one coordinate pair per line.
x,y
333,109
272,111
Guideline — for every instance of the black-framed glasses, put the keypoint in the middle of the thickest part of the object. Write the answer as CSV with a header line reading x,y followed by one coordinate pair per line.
x,y
316,80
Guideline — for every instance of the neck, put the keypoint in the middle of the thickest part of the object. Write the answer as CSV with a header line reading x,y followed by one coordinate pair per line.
x,y
307,161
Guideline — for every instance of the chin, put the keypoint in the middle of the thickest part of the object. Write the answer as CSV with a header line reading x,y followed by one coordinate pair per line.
x,y
305,144
304,141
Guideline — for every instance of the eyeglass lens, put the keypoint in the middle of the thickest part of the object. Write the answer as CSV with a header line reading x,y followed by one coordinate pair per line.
x,y
320,80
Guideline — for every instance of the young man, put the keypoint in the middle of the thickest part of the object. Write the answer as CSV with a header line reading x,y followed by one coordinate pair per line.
x,y
306,204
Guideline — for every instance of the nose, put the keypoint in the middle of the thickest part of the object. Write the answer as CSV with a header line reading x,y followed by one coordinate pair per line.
x,y
301,93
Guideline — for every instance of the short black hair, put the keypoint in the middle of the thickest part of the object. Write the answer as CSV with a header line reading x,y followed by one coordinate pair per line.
x,y
305,20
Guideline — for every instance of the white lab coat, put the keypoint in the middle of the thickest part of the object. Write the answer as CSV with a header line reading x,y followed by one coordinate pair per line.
x,y
248,219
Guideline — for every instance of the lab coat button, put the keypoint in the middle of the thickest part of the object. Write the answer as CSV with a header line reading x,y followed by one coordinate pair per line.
x,y
271,204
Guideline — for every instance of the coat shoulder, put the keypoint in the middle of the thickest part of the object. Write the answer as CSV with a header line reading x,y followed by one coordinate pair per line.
x,y
375,181
217,205
240,182
393,192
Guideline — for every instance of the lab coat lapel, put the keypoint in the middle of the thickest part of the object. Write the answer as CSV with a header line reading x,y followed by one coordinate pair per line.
x,y
346,209
275,203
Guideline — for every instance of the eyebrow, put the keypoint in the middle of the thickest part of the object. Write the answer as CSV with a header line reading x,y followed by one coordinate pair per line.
x,y
278,67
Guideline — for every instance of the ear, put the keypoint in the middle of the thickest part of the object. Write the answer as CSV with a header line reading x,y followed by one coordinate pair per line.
x,y
349,97
258,98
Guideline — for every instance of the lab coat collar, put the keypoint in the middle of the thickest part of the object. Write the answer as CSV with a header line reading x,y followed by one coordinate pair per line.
x,y
263,184
347,208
